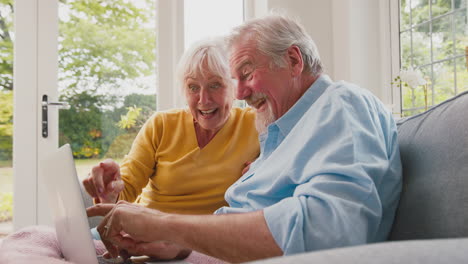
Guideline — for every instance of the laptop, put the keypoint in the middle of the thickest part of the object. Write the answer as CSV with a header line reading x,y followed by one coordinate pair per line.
x,y
69,213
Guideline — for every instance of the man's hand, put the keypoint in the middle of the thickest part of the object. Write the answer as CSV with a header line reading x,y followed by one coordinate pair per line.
x,y
129,229
104,183
161,250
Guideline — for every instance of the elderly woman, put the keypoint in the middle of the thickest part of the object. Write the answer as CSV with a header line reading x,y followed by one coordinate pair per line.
x,y
183,160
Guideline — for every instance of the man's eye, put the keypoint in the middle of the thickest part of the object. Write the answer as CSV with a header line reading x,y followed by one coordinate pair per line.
x,y
247,73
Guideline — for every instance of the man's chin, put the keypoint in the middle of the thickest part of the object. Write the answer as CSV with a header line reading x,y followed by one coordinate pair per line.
x,y
263,120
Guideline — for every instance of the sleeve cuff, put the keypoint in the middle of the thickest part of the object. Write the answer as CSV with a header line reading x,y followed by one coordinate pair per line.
x,y
285,222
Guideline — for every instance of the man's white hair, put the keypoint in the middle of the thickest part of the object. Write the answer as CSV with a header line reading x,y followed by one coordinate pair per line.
x,y
274,34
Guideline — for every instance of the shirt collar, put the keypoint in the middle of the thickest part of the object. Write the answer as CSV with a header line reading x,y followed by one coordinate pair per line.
x,y
292,116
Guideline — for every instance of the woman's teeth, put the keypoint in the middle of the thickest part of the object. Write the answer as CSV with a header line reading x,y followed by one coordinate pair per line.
x,y
207,111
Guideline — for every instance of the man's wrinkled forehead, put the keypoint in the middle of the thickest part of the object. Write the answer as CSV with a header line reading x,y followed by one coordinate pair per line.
x,y
241,53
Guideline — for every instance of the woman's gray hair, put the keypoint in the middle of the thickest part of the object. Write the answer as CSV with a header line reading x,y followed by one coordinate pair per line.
x,y
274,34
203,57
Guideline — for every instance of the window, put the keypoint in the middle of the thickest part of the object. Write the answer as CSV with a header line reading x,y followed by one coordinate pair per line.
x,y
107,61
434,40
6,117
201,22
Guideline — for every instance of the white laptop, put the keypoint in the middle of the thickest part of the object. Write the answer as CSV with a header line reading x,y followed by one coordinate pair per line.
x,y
69,213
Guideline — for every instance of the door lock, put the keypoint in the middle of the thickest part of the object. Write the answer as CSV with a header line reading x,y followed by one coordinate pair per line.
x,y
45,107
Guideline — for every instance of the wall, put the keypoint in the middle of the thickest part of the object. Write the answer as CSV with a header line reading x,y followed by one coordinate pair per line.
x,y
315,16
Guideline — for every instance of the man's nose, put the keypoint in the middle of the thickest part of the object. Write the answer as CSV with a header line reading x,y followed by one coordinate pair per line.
x,y
242,91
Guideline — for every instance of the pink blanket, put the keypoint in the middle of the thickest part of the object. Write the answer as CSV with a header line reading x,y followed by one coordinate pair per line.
x,y
38,244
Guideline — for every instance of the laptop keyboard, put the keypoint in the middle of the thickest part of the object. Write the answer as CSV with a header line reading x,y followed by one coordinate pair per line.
x,y
103,260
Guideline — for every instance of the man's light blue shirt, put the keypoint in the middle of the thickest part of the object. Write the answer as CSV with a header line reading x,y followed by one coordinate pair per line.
x,y
329,171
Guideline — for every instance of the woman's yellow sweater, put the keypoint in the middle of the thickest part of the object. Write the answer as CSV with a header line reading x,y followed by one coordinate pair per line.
x,y
166,170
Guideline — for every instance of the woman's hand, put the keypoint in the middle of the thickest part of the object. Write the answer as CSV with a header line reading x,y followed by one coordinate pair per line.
x,y
104,183
247,167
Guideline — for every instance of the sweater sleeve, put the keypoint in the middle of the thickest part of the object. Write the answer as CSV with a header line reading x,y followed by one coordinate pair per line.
x,y
140,163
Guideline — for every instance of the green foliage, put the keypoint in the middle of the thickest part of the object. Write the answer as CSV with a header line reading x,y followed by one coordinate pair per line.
x,y
6,45
104,42
436,38
91,129
128,121
81,124
6,125
121,145
6,206
147,103
103,46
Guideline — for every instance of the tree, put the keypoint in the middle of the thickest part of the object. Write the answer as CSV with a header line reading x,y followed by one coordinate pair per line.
x,y
104,46
6,45
433,49
6,125
130,122
105,42
100,42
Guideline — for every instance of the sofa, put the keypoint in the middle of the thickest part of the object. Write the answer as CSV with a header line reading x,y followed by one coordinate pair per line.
x,y
431,222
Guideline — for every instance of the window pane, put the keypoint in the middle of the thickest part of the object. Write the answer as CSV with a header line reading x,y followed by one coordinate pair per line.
x,y
415,99
405,42
421,45
405,15
6,118
442,38
461,32
460,3
201,21
107,74
462,74
444,85
420,11
441,7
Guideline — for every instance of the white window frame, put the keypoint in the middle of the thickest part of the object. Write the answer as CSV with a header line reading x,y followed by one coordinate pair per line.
x,y
170,46
394,22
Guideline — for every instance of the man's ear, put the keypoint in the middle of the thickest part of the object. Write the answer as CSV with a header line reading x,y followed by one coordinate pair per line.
x,y
295,60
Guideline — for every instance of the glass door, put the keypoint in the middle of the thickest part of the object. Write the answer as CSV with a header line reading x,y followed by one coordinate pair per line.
x,y
97,56
107,74
6,117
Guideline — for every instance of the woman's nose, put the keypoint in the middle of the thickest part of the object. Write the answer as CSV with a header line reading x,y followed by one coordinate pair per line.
x,y
205,97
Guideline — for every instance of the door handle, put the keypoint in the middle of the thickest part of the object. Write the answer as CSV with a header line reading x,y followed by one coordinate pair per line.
x,y
45,108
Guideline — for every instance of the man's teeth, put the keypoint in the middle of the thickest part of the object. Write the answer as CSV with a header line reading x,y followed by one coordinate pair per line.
x,y
207,112
258,103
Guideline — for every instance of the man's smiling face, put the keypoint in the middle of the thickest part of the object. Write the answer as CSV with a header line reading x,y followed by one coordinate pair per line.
x,y
261,84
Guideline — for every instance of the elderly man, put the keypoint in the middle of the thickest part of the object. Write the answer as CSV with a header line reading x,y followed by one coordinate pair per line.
x,y
329,172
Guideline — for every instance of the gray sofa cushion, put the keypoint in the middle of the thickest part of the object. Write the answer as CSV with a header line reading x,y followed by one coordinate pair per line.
x,y
434,153
453,251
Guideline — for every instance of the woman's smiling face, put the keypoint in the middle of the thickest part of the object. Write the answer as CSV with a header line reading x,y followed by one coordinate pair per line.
x,y
209,99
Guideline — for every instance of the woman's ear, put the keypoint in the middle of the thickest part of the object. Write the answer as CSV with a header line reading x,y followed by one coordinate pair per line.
x,y
295,60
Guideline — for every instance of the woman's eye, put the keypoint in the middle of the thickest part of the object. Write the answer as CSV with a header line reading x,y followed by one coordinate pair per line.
x,y
193,87
215,85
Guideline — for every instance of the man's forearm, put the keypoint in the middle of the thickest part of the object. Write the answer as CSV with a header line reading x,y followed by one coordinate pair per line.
x,y
231,237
